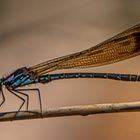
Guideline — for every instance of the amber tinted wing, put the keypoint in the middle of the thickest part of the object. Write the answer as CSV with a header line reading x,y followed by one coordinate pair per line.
x,y
122,46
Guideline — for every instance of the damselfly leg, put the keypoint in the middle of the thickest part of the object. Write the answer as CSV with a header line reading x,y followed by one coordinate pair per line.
x,y
23,101
27,97
3,98
33,89
16,92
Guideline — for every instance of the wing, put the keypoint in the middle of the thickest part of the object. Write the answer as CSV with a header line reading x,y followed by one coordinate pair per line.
x,y
122,46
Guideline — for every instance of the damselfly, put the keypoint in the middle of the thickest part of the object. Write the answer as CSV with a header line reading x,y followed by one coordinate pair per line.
x,y
122,46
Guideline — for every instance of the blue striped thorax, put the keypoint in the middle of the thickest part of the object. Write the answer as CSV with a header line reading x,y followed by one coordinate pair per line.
x,y
18,78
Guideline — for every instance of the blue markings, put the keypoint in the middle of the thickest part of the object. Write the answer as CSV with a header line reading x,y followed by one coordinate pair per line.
x,y
50,77
27,82
17,76
43,79
19,82
55,76
9,79
12,78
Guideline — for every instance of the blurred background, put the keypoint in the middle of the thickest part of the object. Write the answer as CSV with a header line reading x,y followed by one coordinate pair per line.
x,y
33,31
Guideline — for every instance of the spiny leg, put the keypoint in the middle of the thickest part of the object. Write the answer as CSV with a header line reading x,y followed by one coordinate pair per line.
x,y
18,91
34,89
3,98
13,92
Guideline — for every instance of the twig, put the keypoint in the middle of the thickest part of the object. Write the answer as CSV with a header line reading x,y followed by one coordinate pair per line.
x,y
73,110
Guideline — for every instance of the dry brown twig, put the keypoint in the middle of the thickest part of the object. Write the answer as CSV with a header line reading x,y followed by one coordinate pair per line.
x,y
73,110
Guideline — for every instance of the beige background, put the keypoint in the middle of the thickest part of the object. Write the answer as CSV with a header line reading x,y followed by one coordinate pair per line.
x,y
33,31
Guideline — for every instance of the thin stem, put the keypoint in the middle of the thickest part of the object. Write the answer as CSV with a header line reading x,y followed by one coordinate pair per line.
x,y
73,110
